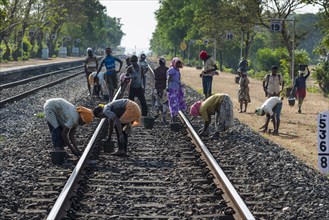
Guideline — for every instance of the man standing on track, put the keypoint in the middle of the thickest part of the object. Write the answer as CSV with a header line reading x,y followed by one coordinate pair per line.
x,y
137,84
159,92
91,65
145,66
122,114
110,74
63,119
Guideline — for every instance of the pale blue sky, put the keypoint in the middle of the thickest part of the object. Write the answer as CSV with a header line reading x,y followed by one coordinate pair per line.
x,y
138,19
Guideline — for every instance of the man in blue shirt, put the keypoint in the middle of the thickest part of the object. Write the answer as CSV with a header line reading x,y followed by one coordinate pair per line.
x,y
110,75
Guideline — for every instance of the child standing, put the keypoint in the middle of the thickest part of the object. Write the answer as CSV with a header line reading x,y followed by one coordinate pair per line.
x,y
243,93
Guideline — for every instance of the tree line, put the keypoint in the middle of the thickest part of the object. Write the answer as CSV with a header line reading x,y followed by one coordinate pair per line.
x,y
28,26
264,32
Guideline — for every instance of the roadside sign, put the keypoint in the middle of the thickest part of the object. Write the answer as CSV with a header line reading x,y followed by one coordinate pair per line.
x,y
78,40
229,36
323,142
183,46
205,42
275,25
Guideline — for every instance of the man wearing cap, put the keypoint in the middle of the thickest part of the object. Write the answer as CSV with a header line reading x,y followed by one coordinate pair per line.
x,y
90,64
221,106
110,74
272,108
272,83
209,70
122,114
300,87
63,119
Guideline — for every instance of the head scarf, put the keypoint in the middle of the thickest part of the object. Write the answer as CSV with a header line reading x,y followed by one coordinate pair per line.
x,y
89,49
86,114
203,55
259,111
195,108
174,61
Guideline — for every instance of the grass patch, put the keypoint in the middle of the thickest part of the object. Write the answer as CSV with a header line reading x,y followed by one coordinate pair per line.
x,y
313,89
2,138
40,115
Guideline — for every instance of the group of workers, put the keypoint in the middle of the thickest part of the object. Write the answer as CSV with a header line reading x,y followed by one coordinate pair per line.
x,y
168,94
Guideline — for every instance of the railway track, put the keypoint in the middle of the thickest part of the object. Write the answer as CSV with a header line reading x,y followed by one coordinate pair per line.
x,y
163,179
17,90
268,179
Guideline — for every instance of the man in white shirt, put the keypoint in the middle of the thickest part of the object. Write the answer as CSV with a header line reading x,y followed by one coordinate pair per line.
x,y
272,108
272,83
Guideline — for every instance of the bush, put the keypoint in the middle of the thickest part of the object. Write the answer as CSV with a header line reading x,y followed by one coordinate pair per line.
x,y
321,73
266,58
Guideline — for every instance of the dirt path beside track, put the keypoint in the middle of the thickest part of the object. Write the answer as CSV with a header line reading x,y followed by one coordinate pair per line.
x,y
297,131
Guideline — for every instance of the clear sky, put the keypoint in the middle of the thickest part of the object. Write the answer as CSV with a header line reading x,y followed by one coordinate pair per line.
x,y
138,21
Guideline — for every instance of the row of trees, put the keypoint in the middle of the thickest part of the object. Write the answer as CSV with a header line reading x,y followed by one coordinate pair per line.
x,y
27,26
249,22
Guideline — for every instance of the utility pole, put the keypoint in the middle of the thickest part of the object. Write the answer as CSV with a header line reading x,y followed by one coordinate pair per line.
x,y
276,26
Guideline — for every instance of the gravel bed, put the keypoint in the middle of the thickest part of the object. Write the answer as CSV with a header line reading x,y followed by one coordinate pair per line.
x,y
291,189
25,143
19,89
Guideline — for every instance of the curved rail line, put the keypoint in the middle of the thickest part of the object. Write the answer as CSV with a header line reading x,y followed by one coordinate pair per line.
x,y
64,200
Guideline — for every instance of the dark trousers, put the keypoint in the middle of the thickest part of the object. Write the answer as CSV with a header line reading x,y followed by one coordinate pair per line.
x,y
277,111
123,146
139,93
56,136
207,85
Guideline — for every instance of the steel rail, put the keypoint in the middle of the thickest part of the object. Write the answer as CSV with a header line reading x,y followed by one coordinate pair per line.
x,y
24,94
23,81
243,211
57,212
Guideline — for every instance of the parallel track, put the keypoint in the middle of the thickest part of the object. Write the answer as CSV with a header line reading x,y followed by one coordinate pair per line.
x,y
31,91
